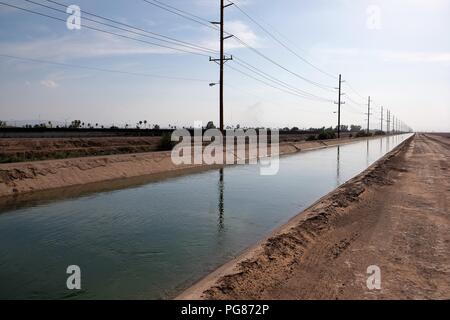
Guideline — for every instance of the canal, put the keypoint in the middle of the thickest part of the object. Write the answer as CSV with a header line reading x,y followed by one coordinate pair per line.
x,y
151,240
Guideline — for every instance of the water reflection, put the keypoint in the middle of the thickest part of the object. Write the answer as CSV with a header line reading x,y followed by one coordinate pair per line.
x,y
338,166
367,153
39,198
221,204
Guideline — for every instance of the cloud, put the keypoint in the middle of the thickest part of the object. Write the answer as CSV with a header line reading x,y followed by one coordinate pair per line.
x,y
239,29
351,54
75,46
49,84
243,31
347,52
6,10
413,57
87,44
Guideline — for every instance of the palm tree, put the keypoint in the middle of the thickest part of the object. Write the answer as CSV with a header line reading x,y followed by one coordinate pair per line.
x,y
145,123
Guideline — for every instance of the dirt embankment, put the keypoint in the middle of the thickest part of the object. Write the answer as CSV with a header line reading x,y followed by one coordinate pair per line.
x,y
395,215
33,149
37,149
23,177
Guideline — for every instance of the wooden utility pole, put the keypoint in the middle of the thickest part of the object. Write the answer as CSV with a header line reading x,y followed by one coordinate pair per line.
x,y
222,59
381,127
339,107
393,124
368,115
339,103
388,123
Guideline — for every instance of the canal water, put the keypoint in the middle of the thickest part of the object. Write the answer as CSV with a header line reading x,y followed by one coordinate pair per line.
x,y
153,239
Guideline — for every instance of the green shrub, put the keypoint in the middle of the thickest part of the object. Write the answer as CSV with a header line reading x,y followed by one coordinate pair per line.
x,y
311,137
326,134
166,142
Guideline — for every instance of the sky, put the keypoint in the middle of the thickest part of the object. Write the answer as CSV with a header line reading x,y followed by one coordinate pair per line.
x,y
396,52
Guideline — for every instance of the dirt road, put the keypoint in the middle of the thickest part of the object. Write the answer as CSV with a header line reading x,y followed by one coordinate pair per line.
x,y
396,217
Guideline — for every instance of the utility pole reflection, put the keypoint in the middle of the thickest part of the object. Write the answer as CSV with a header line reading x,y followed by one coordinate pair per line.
x,y
221,205
367,154
338,166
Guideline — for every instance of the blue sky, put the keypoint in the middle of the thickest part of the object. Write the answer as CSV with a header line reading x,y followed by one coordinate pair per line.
x,y
403,63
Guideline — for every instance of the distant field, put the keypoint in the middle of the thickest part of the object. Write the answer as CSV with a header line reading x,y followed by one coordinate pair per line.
x,y
31,149
442,134
41,148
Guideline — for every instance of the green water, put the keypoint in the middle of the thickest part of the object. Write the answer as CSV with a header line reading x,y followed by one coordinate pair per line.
x,y
152,239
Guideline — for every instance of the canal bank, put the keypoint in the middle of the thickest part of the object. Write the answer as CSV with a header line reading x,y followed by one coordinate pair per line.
x,y
28,177
393,216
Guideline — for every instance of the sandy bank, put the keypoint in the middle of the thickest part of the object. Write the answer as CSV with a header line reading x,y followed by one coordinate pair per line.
x,y
393,215
25,177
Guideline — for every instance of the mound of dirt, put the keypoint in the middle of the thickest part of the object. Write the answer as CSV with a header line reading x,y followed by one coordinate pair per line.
x,y
33,149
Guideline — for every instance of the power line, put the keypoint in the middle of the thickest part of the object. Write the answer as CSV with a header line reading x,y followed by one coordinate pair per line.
x,y
100,69
137,28
181,13
303,59
263,74
105,31
170,40
271,35
279,84
202,21
272,102
353,89
299,92
354,110
270,85
322,86
354,102
199,20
